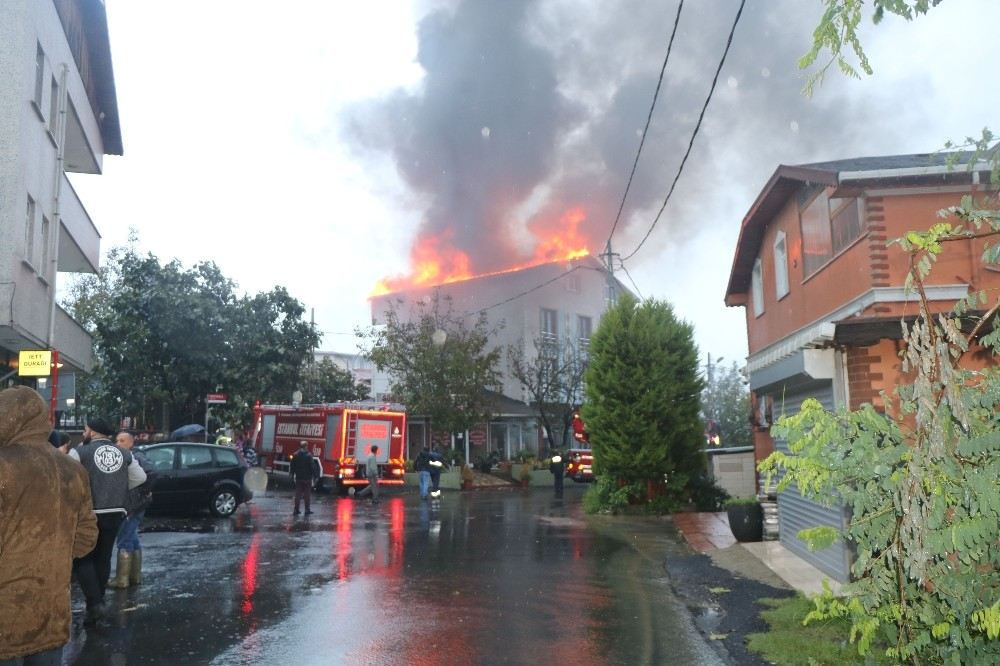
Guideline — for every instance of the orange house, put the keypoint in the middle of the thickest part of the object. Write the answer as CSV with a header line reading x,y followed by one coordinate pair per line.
x,y
824,294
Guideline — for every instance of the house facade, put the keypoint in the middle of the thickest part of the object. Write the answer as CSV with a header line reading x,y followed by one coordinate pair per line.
x,y
550,306
824,295
58,115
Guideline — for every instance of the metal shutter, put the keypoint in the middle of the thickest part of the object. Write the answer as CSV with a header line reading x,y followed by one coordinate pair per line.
x,y
794,511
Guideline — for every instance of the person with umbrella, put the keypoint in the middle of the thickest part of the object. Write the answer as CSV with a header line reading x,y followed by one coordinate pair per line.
x,y
192,432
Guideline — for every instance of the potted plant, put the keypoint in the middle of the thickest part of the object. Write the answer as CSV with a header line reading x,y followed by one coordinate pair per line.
x,y
746,518
525,477
468,478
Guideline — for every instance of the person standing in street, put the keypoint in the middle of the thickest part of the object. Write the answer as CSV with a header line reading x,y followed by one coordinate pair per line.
x,y
302,471
129,569
371,473
46,519
436,464
422,465
558,469
113,472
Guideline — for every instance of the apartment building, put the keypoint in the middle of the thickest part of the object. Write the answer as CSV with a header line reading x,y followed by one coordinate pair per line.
x,y
555,304
58,115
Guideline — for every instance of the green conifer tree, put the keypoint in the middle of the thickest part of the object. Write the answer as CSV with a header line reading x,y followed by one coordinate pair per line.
x,y
642,407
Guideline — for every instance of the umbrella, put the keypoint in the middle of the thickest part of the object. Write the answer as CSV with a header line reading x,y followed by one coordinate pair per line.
x,y
187,431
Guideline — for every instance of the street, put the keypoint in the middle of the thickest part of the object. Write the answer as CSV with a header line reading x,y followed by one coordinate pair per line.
x,y
490,577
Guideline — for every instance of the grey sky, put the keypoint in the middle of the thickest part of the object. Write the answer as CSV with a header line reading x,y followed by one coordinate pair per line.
x,y
309,146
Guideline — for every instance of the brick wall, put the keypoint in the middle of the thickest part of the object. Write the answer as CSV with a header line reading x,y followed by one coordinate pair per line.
x,y
863,372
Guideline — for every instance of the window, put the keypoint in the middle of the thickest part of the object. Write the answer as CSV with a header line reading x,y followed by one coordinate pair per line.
x,y
161,458
584,327
845,222
39,76
780,266
757,285
817,246
53,106
196,457
29,231
828,227
45,246
226,458
550,324
573,284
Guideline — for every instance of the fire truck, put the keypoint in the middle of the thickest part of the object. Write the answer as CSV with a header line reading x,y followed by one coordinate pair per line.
x,y
580,459
339,435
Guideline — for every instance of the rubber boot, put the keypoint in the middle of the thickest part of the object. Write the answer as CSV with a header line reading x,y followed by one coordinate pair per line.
x,y
120,580
135,575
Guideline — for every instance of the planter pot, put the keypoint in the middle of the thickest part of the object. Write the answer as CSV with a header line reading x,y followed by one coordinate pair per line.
x,y
746,521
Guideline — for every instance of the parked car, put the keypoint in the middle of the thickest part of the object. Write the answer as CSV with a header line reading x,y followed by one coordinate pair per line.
x,y
191,476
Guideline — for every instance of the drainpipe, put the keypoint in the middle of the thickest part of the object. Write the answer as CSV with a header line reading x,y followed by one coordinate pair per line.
x,y
60,130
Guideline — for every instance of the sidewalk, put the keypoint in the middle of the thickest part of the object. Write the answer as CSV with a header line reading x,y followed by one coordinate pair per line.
x,y
709,533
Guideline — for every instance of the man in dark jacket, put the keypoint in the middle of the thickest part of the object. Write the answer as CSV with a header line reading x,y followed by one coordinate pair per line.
x,y
129,571
436,464
422,465
302,471
46,519
112,471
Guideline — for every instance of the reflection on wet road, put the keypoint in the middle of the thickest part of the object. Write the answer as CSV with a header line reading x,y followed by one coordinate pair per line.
x,y
477,578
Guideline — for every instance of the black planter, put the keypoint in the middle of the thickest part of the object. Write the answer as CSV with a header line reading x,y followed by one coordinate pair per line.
x,y
746,521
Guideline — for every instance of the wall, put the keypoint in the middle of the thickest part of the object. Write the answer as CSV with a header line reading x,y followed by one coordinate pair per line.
x,y
735,473
866,264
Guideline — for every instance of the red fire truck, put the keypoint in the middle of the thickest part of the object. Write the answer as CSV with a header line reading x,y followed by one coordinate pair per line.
x,y
339,435
580,459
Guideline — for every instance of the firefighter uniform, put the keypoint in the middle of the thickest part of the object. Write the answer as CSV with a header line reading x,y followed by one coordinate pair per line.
x,y
558,469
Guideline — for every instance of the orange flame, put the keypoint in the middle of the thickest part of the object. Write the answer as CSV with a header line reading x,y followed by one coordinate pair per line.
x,y
435,262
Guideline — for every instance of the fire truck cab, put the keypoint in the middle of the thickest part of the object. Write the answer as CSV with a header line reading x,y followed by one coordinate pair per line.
x,y
580,459
339,435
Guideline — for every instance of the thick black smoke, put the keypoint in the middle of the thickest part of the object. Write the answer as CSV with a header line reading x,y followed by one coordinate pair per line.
x,y
528,109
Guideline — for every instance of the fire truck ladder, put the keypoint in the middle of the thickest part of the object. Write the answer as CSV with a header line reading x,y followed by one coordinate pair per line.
x,y
352,435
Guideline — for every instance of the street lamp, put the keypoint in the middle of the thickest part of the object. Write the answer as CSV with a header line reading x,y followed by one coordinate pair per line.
x,y
296,398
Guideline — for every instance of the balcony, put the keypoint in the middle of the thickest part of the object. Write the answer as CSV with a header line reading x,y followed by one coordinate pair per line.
x,y
75,346
79,240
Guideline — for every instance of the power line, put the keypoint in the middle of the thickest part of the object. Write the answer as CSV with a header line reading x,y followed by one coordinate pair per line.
x,y
525,293
633,282
649,118
694,134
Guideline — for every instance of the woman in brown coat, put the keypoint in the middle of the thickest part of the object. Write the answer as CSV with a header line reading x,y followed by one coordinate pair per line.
x,y
46,520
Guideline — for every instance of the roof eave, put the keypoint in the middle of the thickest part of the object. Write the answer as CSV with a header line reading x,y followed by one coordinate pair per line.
x,y
770,200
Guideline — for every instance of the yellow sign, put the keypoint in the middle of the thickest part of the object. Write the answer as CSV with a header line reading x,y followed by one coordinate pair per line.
x,y
34,363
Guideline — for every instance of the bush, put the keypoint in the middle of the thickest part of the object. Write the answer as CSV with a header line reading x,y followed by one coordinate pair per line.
x,y
605,495
740,501
524,456
455,457
705,495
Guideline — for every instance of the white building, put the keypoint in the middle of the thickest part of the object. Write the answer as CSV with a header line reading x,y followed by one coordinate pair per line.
x,y
559,303
361,368
58,115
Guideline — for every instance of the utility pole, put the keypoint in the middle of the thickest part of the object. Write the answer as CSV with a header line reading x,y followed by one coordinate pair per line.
x,y
608,257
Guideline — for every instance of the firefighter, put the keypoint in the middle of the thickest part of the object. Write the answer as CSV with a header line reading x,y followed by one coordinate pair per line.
x,y
302,472
558,468
435,466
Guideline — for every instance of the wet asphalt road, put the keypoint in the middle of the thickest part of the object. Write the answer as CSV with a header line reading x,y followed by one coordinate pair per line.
x,y
486,577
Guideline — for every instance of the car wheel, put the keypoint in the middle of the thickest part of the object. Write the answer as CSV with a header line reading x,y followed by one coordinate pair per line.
x,y
224,502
